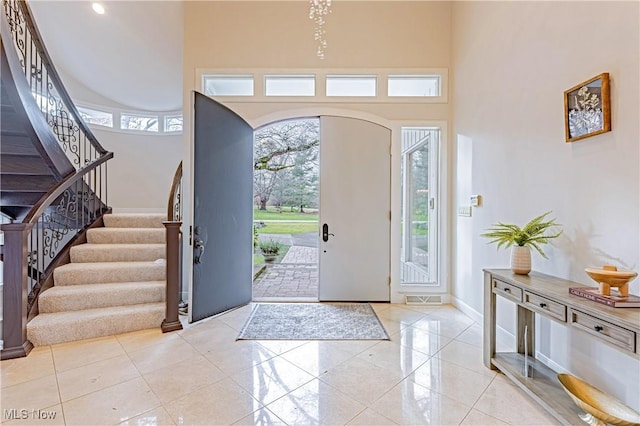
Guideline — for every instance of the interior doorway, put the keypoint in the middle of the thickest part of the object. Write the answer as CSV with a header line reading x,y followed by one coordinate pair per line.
x,y
286,208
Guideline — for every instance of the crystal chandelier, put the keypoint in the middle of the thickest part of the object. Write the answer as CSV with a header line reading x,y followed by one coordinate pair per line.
x,y
317,11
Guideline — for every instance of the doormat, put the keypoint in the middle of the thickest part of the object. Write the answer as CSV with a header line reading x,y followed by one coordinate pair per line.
x,y
313,321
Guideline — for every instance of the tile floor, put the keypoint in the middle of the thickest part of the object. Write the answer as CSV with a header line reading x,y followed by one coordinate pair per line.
x,y
431,372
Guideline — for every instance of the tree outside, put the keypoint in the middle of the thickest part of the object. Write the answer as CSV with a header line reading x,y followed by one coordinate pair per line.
x,y
286,165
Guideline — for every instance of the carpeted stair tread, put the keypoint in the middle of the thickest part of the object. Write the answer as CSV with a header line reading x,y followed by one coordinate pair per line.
x,y
108,272
59,327
92,296
126,236
134,220
85,253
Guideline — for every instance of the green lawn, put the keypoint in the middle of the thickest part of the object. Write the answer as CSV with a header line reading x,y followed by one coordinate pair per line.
x,y
286,214
258,259
288,228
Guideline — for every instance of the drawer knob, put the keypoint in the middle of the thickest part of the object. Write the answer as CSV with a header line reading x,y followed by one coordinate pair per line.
x,y
542,304
507,290
598,328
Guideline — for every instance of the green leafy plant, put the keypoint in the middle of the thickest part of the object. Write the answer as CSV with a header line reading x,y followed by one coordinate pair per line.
x,y
270,247
532,234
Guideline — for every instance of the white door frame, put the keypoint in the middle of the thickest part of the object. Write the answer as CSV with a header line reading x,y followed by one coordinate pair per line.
x,y
397,292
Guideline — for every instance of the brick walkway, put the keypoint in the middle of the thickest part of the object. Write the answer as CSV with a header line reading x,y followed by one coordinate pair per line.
x,y
295,277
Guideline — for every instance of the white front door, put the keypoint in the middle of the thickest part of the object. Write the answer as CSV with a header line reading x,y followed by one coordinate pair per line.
x,y
355,203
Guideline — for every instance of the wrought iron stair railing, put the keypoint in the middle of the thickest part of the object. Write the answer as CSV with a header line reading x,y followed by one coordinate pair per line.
x,y
41,242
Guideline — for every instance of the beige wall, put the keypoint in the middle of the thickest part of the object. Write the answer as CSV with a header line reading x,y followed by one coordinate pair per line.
x,y
511,63
279,35
275,34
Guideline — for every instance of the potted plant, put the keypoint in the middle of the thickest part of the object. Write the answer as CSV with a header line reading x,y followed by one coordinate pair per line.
x,y
522,239
270,250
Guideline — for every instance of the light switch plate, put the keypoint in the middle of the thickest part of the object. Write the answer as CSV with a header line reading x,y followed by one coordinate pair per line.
x,y
464,211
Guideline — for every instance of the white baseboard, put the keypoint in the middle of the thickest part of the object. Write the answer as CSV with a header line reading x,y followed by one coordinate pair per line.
x,y
467,310
504,338
550,363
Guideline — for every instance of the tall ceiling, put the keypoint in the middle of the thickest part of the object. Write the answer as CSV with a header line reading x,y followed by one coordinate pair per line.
x,y
131,55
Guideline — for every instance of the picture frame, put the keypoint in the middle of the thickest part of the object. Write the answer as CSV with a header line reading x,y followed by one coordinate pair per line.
x,y
587,108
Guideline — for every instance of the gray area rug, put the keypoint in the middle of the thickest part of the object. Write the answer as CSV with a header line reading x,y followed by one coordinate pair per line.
x,y
313,321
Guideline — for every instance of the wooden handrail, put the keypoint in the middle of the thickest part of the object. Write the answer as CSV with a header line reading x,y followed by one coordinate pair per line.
x,y
56,191
172,209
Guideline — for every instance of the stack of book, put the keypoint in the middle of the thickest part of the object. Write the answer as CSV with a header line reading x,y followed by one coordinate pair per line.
x,y
615,300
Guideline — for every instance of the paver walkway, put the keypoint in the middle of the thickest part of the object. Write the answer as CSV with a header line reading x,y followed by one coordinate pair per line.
x,y
295,277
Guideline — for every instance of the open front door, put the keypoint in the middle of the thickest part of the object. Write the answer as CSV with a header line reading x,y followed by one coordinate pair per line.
x,y
222,206
355,205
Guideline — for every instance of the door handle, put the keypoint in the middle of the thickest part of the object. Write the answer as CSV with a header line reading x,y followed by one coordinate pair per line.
x,y
198,244
325,233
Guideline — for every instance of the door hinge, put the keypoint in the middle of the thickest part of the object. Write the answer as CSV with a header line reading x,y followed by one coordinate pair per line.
x,y
389,280
389,214
190,234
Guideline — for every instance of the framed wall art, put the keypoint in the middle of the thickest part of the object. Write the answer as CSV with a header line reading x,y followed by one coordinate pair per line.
x,y
587,108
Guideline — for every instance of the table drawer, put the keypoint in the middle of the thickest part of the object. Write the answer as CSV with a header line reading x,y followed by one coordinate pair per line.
x,y
616,335
545,306
507,290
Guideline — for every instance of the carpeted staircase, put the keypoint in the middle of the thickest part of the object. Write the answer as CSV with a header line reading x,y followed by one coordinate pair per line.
x,y
114,284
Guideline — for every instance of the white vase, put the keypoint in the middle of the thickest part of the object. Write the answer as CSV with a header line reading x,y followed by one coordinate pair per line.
x,y
521,260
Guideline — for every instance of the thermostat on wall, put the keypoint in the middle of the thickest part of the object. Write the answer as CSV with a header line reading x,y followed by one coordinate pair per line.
x,y
475,200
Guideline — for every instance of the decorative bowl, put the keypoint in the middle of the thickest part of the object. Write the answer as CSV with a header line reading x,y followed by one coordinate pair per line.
x,y
600,407
609,276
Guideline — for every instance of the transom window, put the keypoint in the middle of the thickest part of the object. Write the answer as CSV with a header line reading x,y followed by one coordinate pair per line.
x,y
326,85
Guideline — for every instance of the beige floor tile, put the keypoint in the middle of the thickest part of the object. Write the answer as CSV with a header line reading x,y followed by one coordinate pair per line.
x,y
76,354
392,326
112,405
235,356
450,312
421,340
316,403
509,404
162,355
317,357
93,377
370,418
412,404
477,418
379,307
236,318
471,336
155,417
32,395
209,336
221,403
180,379
451,380
39,363
443,327
271,379
261,417
352,346
465,355
141,339
281,346
361,380
401,314
51,416
394,357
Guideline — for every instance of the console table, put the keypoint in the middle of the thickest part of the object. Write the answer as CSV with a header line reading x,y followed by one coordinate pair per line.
x,y
540,294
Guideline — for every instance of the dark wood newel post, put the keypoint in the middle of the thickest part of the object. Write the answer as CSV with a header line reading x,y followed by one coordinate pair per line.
x,y
171,321
14,292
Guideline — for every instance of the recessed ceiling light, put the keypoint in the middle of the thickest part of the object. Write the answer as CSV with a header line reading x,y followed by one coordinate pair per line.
x,y
98,8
